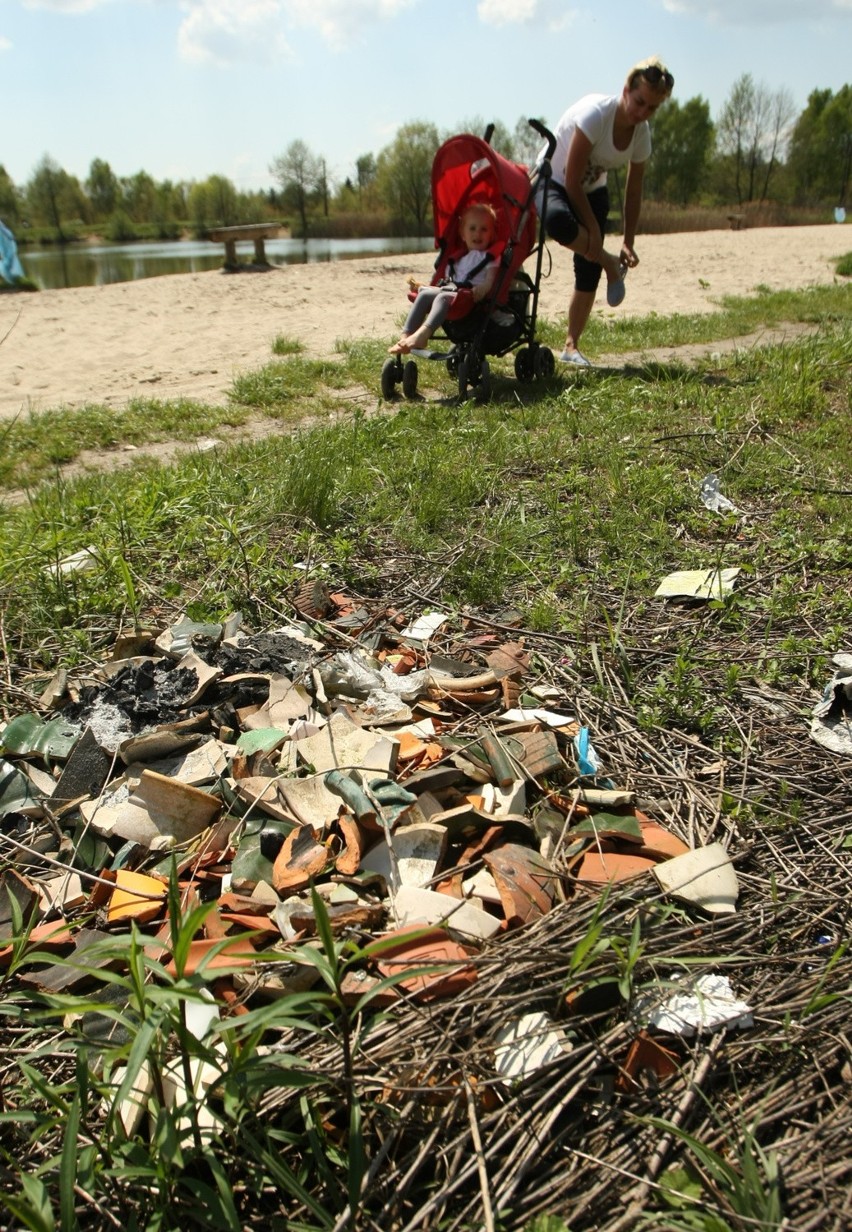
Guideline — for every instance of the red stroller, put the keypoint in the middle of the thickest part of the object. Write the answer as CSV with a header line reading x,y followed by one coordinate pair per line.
x,y
466,169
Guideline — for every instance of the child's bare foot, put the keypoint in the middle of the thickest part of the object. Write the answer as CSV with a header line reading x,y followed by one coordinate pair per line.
x,y
418,340
400,348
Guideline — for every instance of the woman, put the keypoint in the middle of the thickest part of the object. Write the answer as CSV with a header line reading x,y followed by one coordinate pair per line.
x,y
596,134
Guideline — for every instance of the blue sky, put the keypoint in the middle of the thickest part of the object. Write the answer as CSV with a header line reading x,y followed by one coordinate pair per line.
x,y
186,88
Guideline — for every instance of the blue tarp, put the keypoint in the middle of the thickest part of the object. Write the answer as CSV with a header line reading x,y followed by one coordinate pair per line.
x,y
10,267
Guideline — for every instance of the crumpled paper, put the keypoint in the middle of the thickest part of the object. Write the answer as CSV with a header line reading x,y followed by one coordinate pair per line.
x,y
705,1003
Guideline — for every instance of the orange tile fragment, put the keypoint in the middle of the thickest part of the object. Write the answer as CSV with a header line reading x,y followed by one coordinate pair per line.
x,y
234,953
448,970
657,842
600,866
300,859
354,845
646,1055
136,897
252,922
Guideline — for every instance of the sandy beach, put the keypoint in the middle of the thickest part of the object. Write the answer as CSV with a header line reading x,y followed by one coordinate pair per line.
x,y
188,335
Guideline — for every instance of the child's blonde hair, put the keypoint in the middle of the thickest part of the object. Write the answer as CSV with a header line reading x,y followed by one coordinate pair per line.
x,y
479,207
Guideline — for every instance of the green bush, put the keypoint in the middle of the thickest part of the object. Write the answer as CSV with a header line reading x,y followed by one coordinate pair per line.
x,y
120,227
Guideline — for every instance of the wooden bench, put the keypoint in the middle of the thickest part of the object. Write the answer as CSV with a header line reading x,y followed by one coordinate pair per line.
x,y
258,231
737,221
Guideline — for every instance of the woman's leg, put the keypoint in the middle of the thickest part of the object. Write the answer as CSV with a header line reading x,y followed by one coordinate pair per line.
x,y
562,225
579,311
587,276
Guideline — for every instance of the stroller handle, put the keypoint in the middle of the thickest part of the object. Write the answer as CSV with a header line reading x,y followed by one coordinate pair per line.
x,y
546,134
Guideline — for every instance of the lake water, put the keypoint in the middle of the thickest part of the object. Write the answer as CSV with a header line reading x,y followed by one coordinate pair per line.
x,y
97,264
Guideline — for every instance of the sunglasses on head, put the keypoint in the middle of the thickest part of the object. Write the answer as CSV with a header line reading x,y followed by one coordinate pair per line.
x,y
654,75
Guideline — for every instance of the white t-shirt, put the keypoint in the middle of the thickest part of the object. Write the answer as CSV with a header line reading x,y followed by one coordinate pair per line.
x,y
594,115
461,269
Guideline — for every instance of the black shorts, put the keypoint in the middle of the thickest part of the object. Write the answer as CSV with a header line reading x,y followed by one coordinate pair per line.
x,y
562,226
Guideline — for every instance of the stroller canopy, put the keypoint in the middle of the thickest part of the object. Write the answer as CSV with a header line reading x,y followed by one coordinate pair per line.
x,y
467,169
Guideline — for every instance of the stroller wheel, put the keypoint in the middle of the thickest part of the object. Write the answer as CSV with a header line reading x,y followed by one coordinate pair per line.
x,y
409,379
544,363
463,371
482,390
524,366
453,363
390,376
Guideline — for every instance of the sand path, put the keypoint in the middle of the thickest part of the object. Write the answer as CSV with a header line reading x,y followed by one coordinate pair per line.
x,y
188,335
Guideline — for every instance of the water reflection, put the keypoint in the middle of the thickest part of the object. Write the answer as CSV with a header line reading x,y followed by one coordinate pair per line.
x,y
98,264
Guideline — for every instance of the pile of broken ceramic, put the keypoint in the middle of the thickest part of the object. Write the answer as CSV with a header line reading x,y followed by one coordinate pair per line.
x,y
429,798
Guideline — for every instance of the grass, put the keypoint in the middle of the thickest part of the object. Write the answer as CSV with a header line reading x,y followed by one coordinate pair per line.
x,y
844,265
573,490
566,503
292,388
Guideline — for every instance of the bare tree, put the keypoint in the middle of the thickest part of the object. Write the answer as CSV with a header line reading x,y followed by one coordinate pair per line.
x,y
365,170
782,112
752,129
299,172
527,143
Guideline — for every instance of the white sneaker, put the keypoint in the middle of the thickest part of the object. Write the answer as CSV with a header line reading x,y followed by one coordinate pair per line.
x,y
615,290
576,358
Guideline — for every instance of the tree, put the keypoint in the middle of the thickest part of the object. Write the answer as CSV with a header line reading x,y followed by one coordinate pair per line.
x,y
779,116
821,148
103,189
54,195
365,172
139,196
322,186
501,139
9,210
404,175
169,207
221,201
298,171
526,141
751,132
683,138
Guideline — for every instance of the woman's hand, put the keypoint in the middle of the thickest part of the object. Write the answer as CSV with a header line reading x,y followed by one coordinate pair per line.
x,y
628,256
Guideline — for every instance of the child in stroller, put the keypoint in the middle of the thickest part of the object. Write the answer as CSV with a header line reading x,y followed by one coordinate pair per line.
x,y
474,270
496,315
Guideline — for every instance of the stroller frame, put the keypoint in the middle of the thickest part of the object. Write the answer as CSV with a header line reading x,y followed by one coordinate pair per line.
x,y
466,170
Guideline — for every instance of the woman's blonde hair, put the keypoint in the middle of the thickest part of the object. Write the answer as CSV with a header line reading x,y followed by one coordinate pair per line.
x,y
654,71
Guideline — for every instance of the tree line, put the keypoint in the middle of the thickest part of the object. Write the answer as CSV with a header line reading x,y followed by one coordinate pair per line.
x,y
756,149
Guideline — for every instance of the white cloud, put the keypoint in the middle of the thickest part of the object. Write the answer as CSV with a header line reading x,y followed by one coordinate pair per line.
x,y
227,31
66,6
548,13
341,22
5,44
760,12
232,31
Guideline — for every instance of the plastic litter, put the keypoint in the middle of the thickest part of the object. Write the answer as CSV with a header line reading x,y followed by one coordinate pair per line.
x,y
712,497
832,722
585,756
10,266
